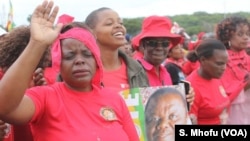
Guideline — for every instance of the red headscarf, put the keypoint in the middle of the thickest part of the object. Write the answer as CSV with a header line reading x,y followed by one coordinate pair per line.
x,y
87,38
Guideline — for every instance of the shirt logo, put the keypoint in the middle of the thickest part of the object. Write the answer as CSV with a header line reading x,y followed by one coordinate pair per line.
x,y
108,114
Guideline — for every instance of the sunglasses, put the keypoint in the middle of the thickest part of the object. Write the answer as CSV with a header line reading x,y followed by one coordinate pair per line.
x,y
155,43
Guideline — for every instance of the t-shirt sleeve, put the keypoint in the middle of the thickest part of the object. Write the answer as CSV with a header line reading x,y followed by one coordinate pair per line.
x,y
38,96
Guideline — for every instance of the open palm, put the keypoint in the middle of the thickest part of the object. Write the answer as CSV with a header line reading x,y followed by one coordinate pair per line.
x,y
42,29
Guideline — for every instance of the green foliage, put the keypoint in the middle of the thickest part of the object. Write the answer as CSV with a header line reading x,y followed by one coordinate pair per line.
x,y
133,26
193,24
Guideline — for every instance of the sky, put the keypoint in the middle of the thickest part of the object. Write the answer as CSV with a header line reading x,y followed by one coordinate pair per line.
x,y
125,8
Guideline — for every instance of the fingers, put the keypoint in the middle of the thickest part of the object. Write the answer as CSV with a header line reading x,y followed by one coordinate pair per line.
x,y
47,9
44,11
49,14
38,70
190,97
193,118
53,14
40,82
3,127
38,77
38,12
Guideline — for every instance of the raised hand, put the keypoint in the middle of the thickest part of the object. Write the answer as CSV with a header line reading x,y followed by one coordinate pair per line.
x,y
42,20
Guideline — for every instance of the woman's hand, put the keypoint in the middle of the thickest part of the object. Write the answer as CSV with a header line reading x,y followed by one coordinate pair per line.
x,y
3,127
38,78
42,20
190,96
193,119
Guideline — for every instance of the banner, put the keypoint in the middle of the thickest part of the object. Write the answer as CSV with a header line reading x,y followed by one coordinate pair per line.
x,y
10,23
156,110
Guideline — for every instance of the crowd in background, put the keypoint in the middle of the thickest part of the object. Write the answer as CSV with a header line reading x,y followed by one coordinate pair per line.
x,y
61,80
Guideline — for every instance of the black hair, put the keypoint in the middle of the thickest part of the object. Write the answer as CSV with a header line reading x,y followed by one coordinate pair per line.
x,y
91,19
206,49
226,28
74,24
13,43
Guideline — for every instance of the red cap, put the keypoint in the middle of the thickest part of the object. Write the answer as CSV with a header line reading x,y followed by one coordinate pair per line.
x,y
158,26
135,42
65,19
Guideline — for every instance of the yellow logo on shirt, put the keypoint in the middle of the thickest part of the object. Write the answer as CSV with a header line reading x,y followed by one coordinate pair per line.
x,y
108,113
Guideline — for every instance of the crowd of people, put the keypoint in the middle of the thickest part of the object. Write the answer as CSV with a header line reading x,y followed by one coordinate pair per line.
x,y
61,80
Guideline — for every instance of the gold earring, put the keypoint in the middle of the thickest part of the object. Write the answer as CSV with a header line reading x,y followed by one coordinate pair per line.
x,y
229,43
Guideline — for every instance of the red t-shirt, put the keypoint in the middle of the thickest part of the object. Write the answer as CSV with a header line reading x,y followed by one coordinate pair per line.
x,y
137,55
50,75
116,79
210,99
63,114
188,67
156,80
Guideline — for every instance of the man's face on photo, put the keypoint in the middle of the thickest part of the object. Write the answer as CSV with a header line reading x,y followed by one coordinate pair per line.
x,y
161,116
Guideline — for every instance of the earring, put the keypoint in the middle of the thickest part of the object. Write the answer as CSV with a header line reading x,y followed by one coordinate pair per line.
x,y
229,43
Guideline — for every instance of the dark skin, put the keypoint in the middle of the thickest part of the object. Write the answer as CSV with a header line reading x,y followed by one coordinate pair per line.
x,y
15,106
168,110
156,55
214,66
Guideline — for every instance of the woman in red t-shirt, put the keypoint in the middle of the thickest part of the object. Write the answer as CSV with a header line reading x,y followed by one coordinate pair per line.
x,y
121,71
78,107
211,102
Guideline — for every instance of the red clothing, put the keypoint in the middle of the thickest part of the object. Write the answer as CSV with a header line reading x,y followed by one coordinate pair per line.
x,y
1,73
50,75
10,134
178,62
238,67
210,99
137,55
63,114
22,133
188,67
116,79
194,45
156,80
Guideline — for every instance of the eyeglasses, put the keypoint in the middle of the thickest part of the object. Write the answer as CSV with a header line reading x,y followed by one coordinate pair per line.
x,y
155,43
